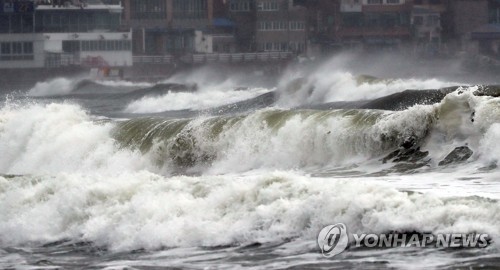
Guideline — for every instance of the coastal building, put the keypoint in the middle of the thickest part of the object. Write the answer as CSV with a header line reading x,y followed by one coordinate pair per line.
x,y
427,27
281,26
323,21
487,37
464,17
243,14
37,34
172,27
375,24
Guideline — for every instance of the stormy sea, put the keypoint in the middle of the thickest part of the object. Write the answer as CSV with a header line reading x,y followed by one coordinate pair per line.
x,y
211,170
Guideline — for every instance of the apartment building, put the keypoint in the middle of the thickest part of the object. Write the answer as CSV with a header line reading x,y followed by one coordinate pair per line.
x,y
37,34
281,25
486,38
427,27
243,14
167,26
375,24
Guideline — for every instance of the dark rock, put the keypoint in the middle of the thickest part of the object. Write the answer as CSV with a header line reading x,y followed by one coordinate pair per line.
x,y
458,155
488,90
409,151
406,155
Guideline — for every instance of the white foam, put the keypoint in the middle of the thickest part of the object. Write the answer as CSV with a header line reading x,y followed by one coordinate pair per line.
x,y
62,137
309,139
80,185
55,87
333,82
119,83
203,99
465,120
59,138
213,89
143,210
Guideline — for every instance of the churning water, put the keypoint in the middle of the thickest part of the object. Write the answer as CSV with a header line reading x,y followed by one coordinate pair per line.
x,y
189,173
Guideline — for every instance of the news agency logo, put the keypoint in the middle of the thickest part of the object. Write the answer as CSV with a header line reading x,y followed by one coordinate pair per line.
x,y
333,240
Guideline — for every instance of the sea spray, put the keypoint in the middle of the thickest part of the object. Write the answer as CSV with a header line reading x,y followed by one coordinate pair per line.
x,y
57,138
328,84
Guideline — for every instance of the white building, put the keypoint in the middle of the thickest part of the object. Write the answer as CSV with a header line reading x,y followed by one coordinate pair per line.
x,y
37,35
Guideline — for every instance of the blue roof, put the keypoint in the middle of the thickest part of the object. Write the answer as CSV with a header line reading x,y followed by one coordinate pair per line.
x,y
222,22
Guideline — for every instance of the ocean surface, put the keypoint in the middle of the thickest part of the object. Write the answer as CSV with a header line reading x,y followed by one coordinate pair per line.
x,y
230,172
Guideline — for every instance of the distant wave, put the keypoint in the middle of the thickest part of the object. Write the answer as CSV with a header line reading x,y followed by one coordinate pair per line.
x,y
324,86
198,100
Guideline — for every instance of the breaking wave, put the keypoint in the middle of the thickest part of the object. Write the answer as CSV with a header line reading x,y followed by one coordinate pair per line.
x,y
68,86
268,138
68,176
54,138
323,85
58,86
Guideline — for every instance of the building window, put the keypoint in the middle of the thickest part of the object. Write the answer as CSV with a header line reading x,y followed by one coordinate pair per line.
x,y
102,45
5,48
17,48
433,20
392,1
374,2
16,51
73,21
28,47
190,9
148,9
70,46
266,26
418,20
297,26
494,15
240,5
272,26
268,5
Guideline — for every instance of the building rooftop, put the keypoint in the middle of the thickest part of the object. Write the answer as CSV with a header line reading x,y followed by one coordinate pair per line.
x,y
78,4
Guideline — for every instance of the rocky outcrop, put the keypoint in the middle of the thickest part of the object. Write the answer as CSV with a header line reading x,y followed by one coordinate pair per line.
x,y
458,155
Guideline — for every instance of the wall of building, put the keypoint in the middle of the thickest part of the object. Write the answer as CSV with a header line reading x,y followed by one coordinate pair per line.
x,y
53,43
284,26
169,20
243,14
468,15
38,51
203,43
